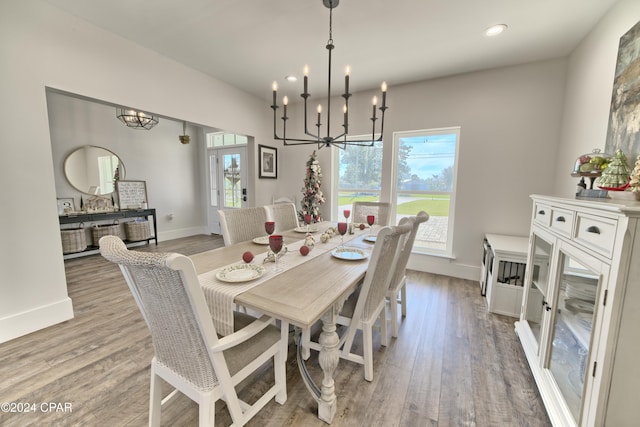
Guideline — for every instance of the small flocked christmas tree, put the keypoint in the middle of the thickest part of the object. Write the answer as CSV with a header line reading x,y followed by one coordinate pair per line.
x,y
616,175
635,177
312,196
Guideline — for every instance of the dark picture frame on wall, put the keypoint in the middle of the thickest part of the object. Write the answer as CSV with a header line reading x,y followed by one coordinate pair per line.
x,y
267,162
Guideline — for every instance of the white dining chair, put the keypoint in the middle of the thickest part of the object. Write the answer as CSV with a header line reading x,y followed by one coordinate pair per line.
x,y
239,225
189,355
284,215
397,293
283,199
381,210
367,304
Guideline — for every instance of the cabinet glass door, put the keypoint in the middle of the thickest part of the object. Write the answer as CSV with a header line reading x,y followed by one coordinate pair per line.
x,y
574,307
537,292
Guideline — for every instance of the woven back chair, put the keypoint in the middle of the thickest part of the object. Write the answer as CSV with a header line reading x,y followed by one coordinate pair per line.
x,y
239,225
397,293
189,355
367,304
284,215
381,210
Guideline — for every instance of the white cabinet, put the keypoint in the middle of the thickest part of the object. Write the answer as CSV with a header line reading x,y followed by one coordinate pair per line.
x,y
504,267
580,316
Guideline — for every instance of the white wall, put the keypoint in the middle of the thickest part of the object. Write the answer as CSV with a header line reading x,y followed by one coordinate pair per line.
x,y
171,169
41,47
510,122
588,96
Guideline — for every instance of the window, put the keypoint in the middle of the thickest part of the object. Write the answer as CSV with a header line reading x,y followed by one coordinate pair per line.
x,y
221,139
359,175
425,162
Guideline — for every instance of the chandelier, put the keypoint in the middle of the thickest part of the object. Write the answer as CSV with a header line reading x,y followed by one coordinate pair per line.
x,y
342,139
136,119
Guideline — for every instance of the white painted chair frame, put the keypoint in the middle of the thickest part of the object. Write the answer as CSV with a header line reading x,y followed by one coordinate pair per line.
x,y
285,215
370,302
216,350
381,210
397,294
240,225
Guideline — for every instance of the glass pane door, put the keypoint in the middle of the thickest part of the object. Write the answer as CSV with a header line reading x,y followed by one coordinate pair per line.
x,y
574,306
232,180
538,291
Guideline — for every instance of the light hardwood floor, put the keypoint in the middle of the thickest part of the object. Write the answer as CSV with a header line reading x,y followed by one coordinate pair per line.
x,y
453,363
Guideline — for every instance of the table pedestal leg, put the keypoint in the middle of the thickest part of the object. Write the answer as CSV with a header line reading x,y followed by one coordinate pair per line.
x,y
328,359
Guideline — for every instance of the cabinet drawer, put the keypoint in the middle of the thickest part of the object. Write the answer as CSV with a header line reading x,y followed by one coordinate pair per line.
x,y
596,233
542,214
562,221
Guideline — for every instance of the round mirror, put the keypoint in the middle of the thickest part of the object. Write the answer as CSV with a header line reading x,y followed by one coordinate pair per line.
x,y
93,170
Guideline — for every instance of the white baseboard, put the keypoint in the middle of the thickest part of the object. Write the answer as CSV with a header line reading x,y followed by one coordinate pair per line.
x,y
19,324
443,266
182,232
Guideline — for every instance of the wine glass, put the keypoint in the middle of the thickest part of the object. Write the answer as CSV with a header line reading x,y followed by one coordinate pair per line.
x,y
342,229
346,213
307,220
275,243
269,227
371,219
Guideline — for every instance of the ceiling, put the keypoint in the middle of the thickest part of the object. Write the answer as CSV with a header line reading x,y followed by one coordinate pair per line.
x,y
251,43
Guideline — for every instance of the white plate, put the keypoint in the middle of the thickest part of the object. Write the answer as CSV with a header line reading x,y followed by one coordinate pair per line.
x,y
240,273
350,254
303,229
370,238
264,240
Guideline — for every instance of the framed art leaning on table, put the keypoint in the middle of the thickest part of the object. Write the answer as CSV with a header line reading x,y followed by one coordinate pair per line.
x,y
268,162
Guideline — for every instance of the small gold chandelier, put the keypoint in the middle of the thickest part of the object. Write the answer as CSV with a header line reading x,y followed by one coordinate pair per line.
x,y
341,140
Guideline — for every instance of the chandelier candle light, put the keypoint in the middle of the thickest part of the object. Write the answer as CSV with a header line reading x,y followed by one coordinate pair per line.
x,y
341,140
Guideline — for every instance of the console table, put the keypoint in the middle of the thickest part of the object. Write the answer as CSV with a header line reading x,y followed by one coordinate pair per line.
x,y
93,217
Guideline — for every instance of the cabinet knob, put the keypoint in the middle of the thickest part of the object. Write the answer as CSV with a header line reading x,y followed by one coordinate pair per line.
x,y
541,212
561,219
593,229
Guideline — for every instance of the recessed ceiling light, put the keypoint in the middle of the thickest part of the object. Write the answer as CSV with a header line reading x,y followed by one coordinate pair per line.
x,y
494,30
291,78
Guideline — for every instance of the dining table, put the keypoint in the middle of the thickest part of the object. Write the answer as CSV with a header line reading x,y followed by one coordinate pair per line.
x,y
306,289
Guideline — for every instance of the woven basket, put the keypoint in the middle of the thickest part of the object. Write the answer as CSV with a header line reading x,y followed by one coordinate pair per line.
x,y
137,230
98,231
73,240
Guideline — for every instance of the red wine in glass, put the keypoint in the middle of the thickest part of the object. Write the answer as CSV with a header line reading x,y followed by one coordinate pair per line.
x,y
275,244
371,219
269,227
342,229
347,213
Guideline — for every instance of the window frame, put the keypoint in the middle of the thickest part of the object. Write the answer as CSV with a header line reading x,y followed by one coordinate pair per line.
x,y
448,251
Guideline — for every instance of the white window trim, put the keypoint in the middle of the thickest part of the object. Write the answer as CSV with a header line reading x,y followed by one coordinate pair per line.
x,y
448,252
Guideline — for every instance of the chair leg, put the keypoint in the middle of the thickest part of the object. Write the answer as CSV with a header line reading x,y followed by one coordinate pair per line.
x,y
306,338
367,342
393,308
403,298
155,399
384,339
206,413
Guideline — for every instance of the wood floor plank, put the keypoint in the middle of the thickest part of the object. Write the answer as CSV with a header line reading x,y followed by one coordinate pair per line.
x,y
453,364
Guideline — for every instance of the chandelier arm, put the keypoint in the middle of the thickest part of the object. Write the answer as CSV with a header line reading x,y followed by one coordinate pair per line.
x,y
329,141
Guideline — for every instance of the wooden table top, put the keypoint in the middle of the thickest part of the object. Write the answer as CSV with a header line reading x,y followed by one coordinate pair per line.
x,y
302,294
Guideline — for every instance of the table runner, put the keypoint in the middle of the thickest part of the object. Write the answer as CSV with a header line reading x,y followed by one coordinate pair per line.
x,y
220,295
